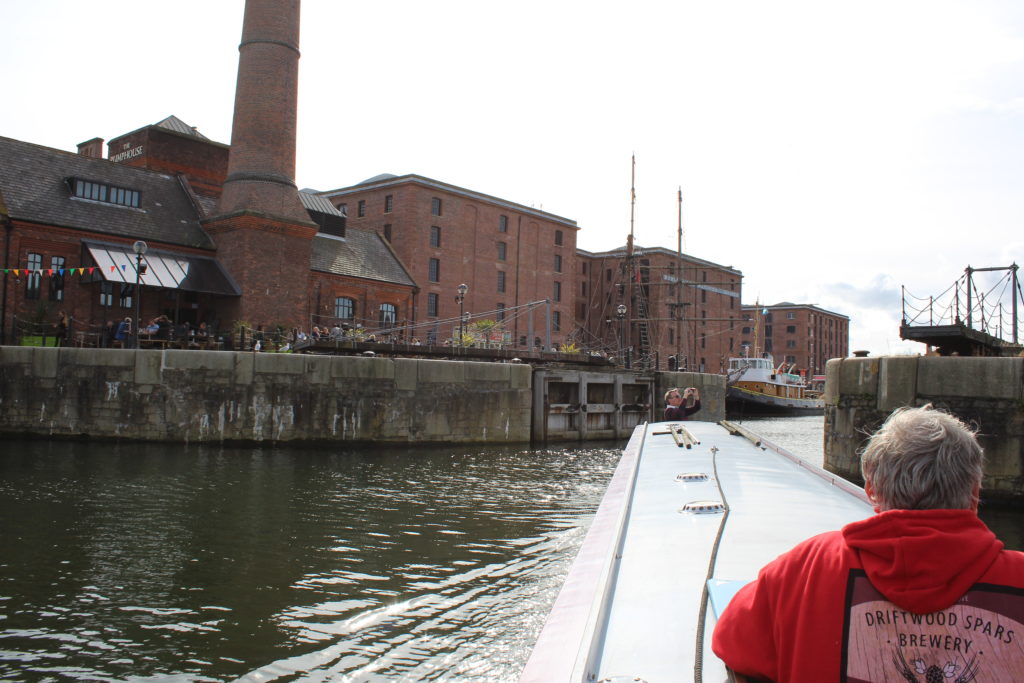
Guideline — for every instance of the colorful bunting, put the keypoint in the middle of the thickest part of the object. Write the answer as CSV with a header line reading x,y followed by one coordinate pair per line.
x,y
50,272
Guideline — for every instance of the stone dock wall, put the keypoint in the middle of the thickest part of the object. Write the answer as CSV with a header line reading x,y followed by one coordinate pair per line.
x,y
985,392
241,397
219,396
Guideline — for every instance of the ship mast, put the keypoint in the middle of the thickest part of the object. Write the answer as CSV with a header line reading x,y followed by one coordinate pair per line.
x,y
679,281
628,293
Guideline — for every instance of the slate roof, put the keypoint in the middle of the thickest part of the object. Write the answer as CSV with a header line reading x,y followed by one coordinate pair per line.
x,y
362,254
172,122
314,202
33,183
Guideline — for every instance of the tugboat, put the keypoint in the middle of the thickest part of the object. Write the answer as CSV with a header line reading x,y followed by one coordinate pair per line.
x,y
756,386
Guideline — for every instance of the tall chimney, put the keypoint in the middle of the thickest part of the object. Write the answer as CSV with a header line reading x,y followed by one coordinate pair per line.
x,y
261,168
262,231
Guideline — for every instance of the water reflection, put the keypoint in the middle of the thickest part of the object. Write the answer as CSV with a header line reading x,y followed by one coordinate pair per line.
x,y
213,564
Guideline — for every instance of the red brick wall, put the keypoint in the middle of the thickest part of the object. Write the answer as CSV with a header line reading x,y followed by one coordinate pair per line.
x,y
266,100
368,297
203,162
468,252
269,260
704,335
81,294
804,334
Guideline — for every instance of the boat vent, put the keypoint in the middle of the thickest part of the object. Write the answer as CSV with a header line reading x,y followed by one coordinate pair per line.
x,y
623,679
704,507
692,476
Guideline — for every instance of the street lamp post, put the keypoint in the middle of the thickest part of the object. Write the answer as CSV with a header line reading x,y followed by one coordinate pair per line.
x,y
461,297
139,248
620,313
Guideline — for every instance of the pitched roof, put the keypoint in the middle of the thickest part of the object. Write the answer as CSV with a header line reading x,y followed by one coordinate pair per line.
x,y
314,202
639,251
385,180
362,254
33,180
172,122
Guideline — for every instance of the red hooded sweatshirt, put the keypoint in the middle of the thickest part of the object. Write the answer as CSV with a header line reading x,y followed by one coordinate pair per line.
x,y
906,595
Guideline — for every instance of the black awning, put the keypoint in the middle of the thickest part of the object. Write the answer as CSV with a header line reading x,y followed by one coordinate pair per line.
x,y
187,272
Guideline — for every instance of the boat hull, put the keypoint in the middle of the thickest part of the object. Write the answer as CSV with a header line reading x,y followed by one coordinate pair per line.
x,y
740,401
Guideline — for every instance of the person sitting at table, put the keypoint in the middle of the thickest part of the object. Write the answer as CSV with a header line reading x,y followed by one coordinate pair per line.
x,y
163,327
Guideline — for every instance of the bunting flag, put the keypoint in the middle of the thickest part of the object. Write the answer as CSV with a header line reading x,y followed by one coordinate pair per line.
x,y
50,272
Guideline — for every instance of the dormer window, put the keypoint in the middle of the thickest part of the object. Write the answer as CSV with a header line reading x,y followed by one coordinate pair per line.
x,y
100,192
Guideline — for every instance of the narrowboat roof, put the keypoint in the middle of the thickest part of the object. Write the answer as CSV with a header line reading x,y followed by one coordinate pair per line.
x,y
680,528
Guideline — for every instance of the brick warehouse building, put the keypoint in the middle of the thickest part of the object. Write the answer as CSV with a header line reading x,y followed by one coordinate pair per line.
x,y
681,307
507,254
803,334
231,239
63,211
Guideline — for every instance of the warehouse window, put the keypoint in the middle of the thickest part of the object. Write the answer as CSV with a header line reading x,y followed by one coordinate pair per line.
x,y
35,262
57,278
344,308
100,192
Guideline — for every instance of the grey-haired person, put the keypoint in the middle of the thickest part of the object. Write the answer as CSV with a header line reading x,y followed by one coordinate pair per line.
x,y
921,591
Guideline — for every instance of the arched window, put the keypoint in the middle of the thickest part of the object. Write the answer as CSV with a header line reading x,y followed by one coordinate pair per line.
x,y
388,314
344,308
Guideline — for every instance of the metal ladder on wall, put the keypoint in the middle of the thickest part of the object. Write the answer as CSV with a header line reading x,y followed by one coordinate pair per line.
x,y
643,329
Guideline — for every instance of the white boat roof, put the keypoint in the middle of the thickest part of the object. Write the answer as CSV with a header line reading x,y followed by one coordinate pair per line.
x,y
633,606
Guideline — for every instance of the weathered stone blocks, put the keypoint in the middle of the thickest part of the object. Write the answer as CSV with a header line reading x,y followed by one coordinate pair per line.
x,y
987,393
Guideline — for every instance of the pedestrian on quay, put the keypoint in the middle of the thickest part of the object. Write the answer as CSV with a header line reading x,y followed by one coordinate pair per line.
x,y
61,329
921,591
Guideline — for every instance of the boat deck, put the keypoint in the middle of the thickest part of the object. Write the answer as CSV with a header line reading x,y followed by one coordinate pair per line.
x,y
634,605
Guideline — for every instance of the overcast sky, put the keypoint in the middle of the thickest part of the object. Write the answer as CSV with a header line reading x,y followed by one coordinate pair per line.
x,y
831,151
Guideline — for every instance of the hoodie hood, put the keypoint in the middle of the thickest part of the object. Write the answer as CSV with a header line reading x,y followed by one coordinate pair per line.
x,y
923,560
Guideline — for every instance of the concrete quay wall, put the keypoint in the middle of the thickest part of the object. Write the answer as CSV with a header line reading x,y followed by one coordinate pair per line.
x,y
218,396
985,392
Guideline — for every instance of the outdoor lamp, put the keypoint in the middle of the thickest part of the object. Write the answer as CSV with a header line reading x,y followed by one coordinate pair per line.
x,y
139,248
461,297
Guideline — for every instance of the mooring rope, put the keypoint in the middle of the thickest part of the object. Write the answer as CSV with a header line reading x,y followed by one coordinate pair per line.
x,y
698,660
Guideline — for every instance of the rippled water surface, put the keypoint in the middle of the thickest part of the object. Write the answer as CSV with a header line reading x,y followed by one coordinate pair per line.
x,y
210,564
157,563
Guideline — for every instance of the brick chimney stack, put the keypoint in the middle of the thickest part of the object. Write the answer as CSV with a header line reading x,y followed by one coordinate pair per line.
x,y
262,231
91,148
261,169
